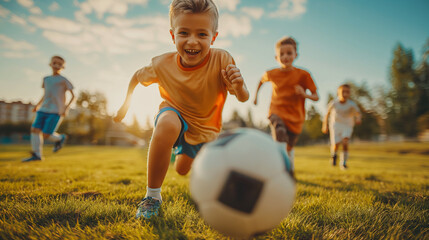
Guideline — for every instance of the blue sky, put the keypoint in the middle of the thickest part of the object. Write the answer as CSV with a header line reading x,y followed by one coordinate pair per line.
x,y
105,41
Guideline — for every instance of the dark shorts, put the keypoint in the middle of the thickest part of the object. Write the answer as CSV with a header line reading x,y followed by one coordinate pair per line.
x,y
181,146
280,132
47,122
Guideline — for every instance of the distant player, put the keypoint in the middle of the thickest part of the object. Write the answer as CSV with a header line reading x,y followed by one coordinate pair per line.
x,y
342,115
290,85
193,81
50,110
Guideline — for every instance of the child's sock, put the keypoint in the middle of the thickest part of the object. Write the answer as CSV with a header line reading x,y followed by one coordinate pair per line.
x,y
344,158
154,192
55,137
37,143
291,154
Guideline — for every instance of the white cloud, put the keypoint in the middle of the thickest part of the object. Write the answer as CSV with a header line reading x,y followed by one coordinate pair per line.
x,y
29,4
12,44
101,7
19,20
54,7
4,12
254,12
231,5
35,10
290,9
26,3
56,24
233,25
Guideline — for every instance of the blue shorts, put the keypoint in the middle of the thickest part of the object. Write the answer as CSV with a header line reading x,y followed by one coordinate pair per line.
x,y
181,146
47,122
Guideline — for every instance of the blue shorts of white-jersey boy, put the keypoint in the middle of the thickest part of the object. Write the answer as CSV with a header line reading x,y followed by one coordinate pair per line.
x,y
181,146
47,122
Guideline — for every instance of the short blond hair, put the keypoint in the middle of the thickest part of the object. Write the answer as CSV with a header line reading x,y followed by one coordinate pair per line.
x,y
286,40
194,6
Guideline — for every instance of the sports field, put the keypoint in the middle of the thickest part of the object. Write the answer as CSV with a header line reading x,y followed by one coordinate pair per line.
x,y
86,192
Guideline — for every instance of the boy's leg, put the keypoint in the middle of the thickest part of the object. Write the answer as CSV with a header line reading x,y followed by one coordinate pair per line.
x,y
345,154
183,164
36,146
165,134
51,124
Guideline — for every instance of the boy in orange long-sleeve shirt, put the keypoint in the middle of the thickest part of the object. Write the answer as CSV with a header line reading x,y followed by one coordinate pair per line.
x,y
193,81
290,85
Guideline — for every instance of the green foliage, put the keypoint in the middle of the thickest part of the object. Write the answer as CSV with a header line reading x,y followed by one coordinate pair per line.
x,y
92,193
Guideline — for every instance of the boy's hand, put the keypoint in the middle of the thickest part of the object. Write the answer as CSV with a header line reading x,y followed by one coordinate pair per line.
x,y
324,129
232,77
299,90
120,114
255,101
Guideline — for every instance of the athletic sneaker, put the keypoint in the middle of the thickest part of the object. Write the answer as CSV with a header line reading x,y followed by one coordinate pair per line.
x,y
148,207
334,160
33,157
58,145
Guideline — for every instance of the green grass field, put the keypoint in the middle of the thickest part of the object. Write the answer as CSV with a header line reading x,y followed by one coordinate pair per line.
x,y
86,192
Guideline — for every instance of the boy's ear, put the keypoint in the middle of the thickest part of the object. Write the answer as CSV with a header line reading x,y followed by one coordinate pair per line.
x,y
172,36
214,37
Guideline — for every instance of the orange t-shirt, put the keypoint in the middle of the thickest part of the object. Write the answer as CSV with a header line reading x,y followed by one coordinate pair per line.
x,y
198,93
284,101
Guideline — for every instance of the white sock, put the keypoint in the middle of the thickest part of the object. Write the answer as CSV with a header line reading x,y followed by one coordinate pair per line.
x,y
344,157
291,154
55,137
37,143
154,192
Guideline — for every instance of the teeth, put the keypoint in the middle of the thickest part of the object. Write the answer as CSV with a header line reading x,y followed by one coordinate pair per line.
x,y
192,51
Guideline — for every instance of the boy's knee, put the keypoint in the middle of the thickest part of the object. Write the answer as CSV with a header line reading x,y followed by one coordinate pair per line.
x,y
169,122
35,130
46,136
183,164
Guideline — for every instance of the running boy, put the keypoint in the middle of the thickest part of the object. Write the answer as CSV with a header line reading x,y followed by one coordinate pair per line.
x,y
193,83
49,110
290,85
342,115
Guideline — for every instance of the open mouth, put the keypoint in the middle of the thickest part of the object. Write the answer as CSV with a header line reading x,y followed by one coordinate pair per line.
x,y
192,51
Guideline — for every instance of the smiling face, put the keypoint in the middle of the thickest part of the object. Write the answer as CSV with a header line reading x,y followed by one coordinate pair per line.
x,y
285,55
193,34
57,64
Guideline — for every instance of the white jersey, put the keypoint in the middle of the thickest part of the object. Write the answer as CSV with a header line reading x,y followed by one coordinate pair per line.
x,y
55,94
343,113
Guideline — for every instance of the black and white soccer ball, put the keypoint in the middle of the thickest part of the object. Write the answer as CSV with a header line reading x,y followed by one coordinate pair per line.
x,y
242,184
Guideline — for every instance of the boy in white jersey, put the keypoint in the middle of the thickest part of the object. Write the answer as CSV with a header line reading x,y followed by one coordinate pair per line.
x,y
193,82
49,110
342,115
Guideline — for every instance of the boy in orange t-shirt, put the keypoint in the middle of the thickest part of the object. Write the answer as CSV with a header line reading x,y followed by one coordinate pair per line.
x,y
193,82
290,85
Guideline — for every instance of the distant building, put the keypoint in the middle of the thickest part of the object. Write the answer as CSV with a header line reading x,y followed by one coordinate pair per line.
x,y
117,135
16,112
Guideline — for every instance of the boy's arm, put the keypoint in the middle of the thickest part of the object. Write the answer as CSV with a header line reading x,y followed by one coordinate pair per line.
x,y
300,91
232,77
256,94
326,119
68,105
38,104
358,116
124,108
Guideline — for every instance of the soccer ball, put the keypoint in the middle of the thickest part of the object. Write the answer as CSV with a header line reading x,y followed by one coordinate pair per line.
x,y
242,184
